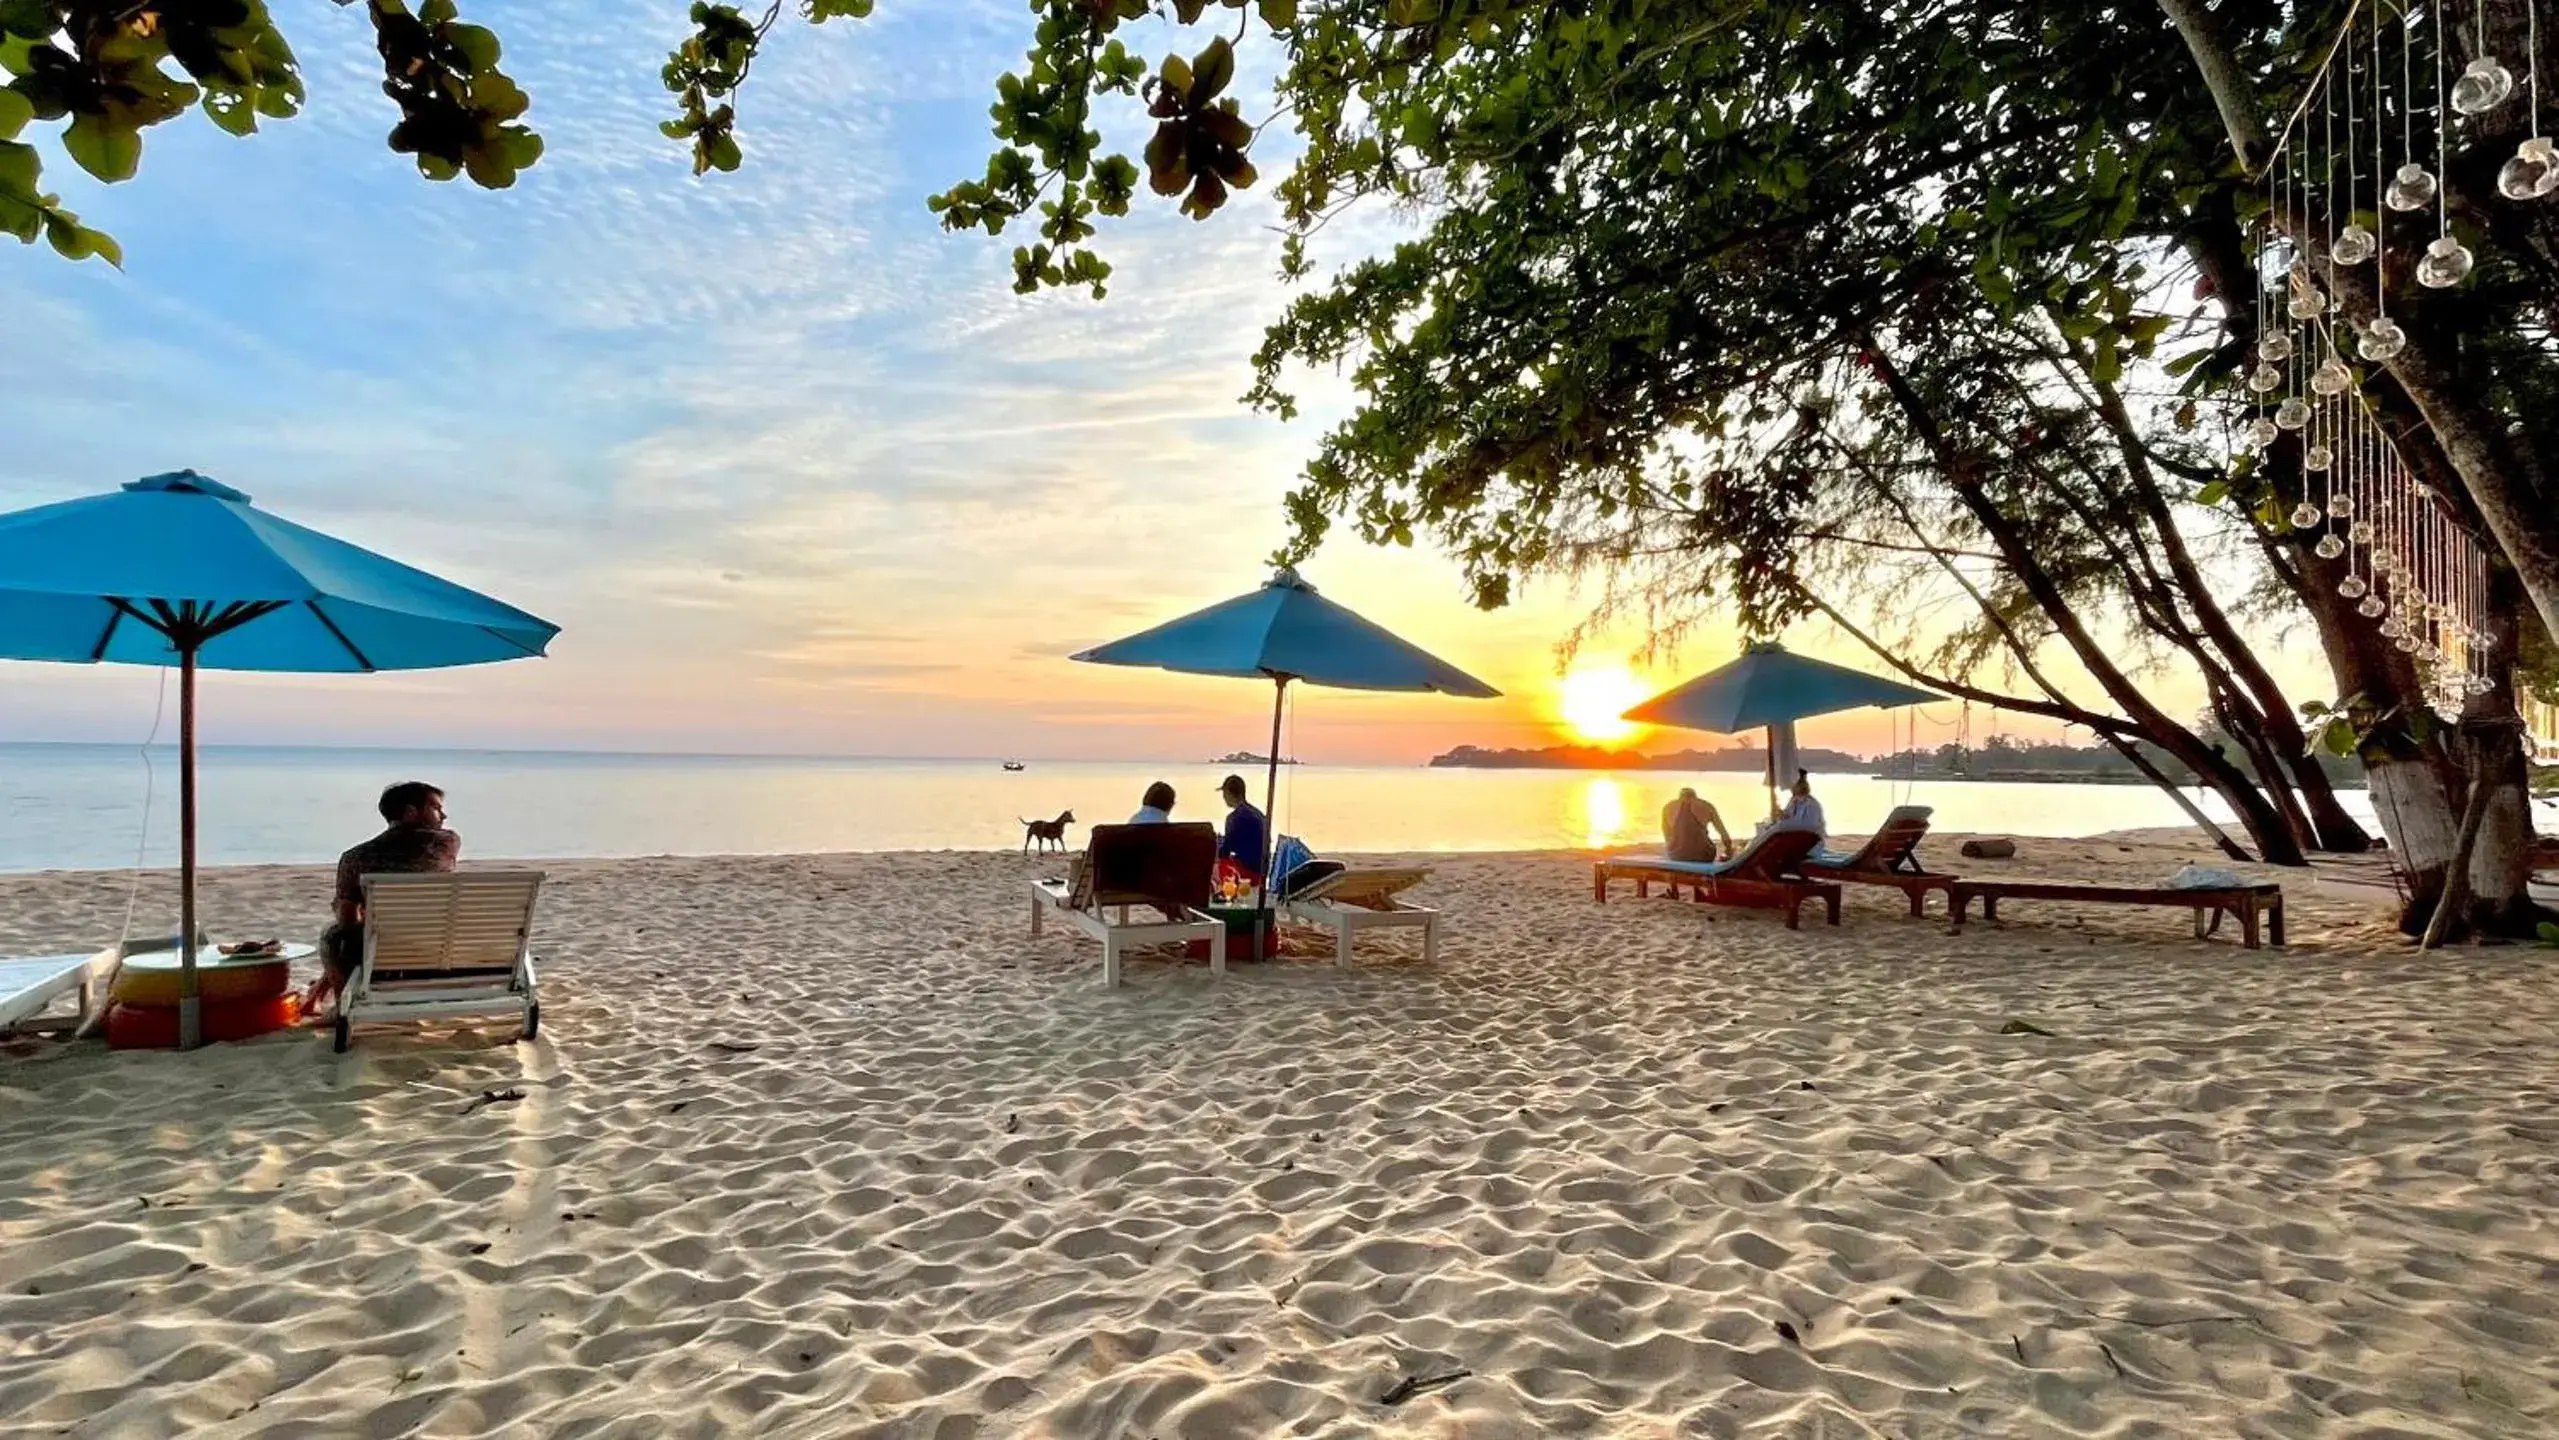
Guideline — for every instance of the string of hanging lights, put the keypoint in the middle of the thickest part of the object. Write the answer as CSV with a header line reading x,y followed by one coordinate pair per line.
x,y
2410,565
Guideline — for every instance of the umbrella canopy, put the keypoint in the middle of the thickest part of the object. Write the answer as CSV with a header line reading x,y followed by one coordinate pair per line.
x,y
1770,685
1774,687
1281,632
1286,631
118,577
181,570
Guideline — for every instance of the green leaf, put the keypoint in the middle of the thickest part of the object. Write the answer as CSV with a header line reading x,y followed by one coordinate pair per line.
x,y
477,44
2213,493
231,111
1212,71
109,151
15,111
1279,14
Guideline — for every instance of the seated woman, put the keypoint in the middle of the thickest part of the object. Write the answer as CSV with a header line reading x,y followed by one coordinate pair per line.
x,y
1802,811
1685,822
1155,807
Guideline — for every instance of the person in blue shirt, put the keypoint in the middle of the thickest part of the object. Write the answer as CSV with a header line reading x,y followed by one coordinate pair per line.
x,y
1248,832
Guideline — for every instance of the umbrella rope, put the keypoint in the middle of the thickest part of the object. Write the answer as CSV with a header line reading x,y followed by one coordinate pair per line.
x,y
150,783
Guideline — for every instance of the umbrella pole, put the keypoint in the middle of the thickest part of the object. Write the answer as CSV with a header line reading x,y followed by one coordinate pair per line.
x,y
190,1008
1771,742
1270,814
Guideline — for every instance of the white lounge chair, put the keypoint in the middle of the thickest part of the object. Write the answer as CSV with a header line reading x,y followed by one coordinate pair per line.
x,y
29,985
1350,901
1163,867
444,945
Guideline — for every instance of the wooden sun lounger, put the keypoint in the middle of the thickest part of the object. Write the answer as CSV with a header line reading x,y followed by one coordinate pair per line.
x,y
1764,876
1890,858
440,946
1168,868
2253,904
1356,900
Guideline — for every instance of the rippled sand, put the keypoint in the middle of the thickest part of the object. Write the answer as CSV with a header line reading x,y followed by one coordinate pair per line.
x,y
828,1146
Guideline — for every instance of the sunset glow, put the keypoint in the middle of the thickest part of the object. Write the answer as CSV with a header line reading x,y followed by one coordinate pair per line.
x,y
1591,700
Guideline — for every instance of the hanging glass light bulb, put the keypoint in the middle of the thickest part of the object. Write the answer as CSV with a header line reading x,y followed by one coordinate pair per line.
x,y
2265,378
2373,607
2332,377
2341,505
2304,515
2306,302
2405,642
2352,587
2447,263
2262,432
2411,189
2360,532
2383,562
2293,413
2483,86
2532,173
2274,347
2317,457
2354,245
2329,546
2383,338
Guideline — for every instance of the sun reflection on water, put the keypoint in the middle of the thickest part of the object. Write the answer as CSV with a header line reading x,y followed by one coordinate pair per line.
x,y
1603,813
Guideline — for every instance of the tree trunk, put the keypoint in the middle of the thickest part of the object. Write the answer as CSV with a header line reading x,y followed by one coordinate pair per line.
x,y
2417,812
2498,875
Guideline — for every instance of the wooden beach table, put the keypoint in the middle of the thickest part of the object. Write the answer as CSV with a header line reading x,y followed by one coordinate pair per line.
x,y
2256,905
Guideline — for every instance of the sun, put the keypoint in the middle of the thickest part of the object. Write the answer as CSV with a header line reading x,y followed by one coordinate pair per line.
x,y
1591,699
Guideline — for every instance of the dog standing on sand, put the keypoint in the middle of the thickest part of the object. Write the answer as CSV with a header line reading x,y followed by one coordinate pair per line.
x,y
1045,833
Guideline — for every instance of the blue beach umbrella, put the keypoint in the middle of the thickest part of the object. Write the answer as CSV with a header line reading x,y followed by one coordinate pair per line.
x,y
179,570
1774,687
1281,632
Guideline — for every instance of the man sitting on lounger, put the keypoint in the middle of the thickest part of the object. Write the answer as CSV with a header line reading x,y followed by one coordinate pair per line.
x,y
415,843
1686,822
1247,838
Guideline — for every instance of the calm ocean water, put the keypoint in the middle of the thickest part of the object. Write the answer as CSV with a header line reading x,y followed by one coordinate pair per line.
x,y
83,807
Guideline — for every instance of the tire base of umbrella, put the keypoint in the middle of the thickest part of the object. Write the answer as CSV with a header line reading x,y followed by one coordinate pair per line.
x,y
230,981
155,1027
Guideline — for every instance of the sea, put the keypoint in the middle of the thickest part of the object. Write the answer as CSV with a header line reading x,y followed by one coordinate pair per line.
x,y
98,807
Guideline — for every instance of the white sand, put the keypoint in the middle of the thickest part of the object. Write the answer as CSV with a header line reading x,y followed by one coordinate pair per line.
x,y
1597,1156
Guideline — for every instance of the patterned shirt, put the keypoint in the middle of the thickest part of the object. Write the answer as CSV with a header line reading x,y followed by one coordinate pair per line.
x,y
400,850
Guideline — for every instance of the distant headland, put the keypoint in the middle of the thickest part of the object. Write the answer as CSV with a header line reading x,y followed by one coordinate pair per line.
x,y
1749,759
2001,758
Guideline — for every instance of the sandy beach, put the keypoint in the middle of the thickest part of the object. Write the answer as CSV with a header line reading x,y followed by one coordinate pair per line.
x,y
829,1146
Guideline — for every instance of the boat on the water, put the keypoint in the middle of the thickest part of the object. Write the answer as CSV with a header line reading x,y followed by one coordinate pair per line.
x,y
1014,765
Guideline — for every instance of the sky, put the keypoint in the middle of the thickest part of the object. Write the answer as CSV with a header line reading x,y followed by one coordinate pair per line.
x,y
795,471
